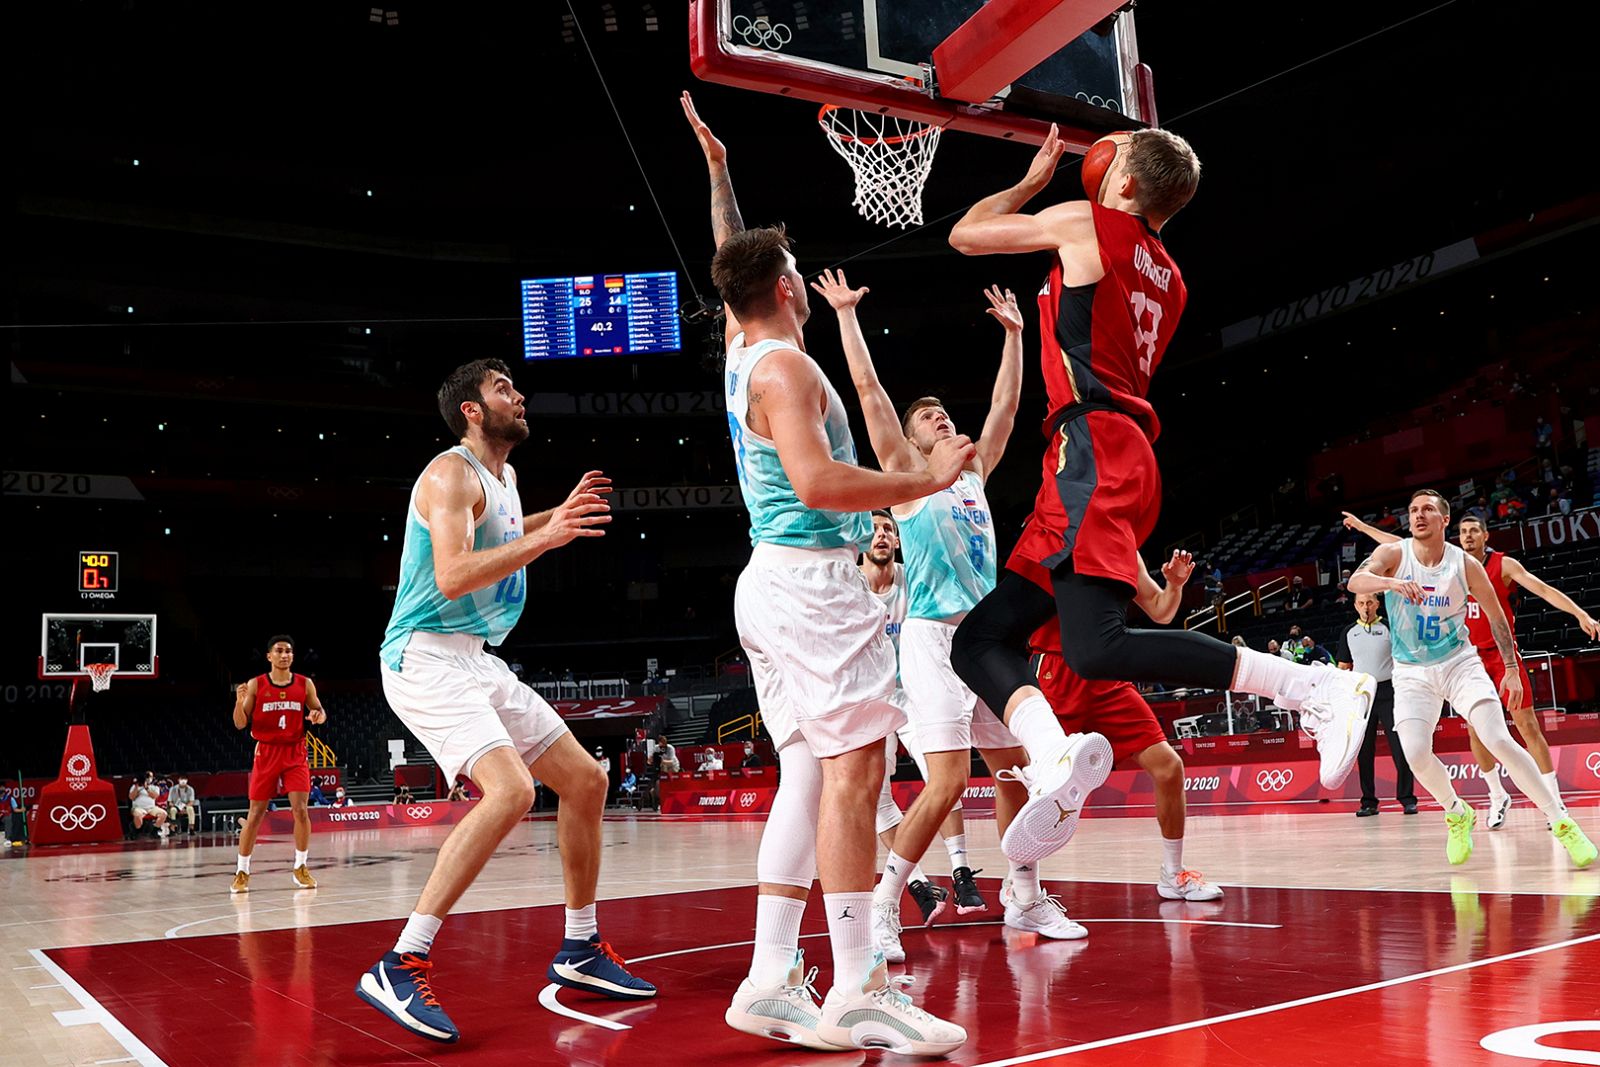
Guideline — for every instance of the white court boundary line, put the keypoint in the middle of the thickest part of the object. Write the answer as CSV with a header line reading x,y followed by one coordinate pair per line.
x,y
547,995
93,1011
1337,994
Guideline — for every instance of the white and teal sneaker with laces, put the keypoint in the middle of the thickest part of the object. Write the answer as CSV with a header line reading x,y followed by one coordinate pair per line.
x,y
785,1013
876,1014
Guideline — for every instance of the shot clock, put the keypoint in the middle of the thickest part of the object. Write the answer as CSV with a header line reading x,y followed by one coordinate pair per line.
x,y
97,574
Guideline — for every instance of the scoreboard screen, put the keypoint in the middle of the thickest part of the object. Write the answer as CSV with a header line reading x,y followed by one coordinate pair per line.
x,y
600,315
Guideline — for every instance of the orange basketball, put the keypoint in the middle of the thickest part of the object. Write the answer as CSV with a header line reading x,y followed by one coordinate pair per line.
x,y
1096,162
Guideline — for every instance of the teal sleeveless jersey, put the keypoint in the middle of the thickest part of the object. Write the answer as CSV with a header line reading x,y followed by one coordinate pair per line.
x,y
489,612
949,549
1436,629
776,514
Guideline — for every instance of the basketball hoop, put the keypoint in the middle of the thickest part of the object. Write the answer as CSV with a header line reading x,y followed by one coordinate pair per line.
x,y
891,158
100,675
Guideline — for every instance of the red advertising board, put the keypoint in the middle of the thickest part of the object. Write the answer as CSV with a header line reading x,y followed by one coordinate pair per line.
x,y
372,816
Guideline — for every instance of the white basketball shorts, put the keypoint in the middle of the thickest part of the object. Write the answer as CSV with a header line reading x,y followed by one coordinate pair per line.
x,y
823,667
947,715
1420,691
460,702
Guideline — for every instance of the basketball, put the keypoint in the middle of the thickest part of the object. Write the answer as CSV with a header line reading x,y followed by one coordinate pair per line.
x,y
1096,162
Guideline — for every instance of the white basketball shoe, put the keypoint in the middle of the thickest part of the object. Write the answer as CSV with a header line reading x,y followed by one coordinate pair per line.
x,y
789,1012
877,1014
1058,784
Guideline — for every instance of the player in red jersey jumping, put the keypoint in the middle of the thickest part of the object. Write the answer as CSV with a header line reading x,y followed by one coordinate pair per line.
x,y
1504,572
276,707
1107,313
1118,712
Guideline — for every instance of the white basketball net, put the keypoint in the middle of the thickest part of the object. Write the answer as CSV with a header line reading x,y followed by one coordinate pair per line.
x,y
891,158
100,675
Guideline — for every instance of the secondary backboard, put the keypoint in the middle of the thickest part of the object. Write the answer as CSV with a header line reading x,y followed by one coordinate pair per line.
x,y
69,643
937,61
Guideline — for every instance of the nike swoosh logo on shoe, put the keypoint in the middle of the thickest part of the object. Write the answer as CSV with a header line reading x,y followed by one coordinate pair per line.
x,y
575,974
388,992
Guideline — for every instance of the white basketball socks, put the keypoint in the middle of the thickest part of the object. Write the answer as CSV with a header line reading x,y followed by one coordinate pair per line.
x,y
417,937
777,940
581,923
896,873
300,856
244,863
957,847
1025,888
1497,788
1036,726
1171,856
1287,684
850,934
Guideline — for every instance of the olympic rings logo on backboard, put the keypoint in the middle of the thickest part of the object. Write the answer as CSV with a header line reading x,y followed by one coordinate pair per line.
x,y
1275,780
421,811
762,33
1593,763
77,817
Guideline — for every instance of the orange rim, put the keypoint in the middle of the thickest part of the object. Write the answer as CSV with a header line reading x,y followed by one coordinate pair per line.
x,y
901,138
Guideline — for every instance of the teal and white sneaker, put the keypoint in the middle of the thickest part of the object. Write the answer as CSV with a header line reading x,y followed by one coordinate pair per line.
x,y
877,1015
789,1012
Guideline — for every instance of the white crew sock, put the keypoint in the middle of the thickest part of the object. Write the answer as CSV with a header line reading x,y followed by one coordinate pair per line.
x,y
418,935
916,875
581,924
300,858
957,847
1025,888
777,940
1171,856
1037,727
1497,787
1288,684
850,934
896,872
244,863
1555,789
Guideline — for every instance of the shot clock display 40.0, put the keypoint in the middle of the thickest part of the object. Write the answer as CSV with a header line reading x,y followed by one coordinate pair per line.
x,y
97,574
600,315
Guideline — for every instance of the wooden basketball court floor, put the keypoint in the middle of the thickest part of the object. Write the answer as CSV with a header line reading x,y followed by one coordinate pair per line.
x,y
1339,941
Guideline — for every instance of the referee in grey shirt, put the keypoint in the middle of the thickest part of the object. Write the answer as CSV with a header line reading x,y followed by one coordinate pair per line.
x,y
1365,646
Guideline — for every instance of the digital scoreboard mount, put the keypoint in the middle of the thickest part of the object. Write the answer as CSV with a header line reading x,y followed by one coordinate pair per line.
x,y
600,315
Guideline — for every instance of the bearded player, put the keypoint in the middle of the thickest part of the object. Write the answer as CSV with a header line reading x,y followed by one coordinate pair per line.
x,y
276,707
1107,313
1504,572
1118,712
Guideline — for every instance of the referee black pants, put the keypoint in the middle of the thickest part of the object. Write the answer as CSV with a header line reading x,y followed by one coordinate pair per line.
x,y
1405,787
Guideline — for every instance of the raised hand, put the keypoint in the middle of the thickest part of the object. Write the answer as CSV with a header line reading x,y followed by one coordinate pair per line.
x,y
1177,570
1351,522
837,292
1043,167
949,458
715,150
582,514
1003,306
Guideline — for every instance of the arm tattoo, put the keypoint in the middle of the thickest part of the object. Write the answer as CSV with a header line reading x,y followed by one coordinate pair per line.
x,y
1503,640
725,218
755,398
1366,564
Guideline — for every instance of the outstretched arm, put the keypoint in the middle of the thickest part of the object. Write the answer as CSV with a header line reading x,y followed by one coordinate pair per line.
x,y
1482,590
1383,537
889,443
993,223
1007,384
1161,603
788,389
1550,595
725,218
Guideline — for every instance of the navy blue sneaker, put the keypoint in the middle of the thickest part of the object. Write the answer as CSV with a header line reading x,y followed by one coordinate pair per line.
x,y
591,965
397,985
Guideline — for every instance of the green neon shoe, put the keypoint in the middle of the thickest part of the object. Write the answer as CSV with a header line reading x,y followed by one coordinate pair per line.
x,y
1459,847
1575,841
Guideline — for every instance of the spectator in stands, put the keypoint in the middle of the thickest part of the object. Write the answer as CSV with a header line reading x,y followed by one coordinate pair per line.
x,y
402,795
459,791
317,798
669,759
182,803
1213,589
12,820
340,800
1342,595
713,759
1274,648
629,786
601,758
1313,652
752,758
1505,501
142,804
1300,597
1483,509
1544,439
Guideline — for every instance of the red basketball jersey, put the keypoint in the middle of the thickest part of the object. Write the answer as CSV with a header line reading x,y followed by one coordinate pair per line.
x,y
280,713
1103,342
1477,622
